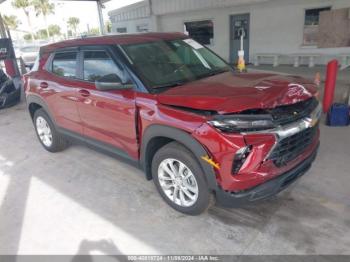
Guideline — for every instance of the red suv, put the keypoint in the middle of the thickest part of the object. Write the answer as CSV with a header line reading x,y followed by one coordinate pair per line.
x,y
199,130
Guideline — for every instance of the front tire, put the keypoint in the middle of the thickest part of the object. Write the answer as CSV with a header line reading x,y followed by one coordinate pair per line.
x,y
180,180
47,134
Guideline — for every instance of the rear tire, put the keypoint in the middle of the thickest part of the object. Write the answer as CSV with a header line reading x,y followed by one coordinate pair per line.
x,y
47,134
180,180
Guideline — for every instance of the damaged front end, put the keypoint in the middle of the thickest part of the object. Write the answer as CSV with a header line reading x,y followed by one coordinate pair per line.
x,y
264,119
257,145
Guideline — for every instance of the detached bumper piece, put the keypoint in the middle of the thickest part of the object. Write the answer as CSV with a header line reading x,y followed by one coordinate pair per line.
x,y
9,95
11,99
267,189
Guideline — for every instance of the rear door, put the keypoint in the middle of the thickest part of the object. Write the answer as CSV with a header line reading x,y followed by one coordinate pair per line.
x,y
59,87
107,116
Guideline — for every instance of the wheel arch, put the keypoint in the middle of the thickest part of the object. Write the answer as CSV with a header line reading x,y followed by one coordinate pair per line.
x,y
156,136
34,103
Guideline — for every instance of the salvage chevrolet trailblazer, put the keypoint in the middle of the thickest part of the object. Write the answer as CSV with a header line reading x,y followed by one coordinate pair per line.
x,y
201,131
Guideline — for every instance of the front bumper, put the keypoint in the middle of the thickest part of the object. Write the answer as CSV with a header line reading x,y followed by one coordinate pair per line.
x,y
267,189
260,165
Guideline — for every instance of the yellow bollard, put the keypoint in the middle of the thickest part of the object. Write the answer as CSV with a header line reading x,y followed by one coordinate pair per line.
x,y
241,63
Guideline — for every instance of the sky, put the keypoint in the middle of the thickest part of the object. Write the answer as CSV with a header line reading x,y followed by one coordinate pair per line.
x,y
85,11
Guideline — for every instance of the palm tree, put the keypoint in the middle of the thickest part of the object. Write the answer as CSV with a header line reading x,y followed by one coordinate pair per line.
x,y
11,22
44,8
73,23
24,5
55,30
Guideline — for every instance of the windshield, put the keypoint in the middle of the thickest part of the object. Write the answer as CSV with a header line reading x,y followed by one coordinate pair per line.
x,y
173,62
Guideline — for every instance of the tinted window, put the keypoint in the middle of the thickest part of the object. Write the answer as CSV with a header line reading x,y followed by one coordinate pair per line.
x,y
98,64
65,64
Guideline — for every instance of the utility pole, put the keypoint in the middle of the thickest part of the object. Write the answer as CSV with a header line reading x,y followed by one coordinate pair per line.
x,y
100,16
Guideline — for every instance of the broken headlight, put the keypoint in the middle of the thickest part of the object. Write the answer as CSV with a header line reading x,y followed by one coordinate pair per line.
x,y
242,123
239,159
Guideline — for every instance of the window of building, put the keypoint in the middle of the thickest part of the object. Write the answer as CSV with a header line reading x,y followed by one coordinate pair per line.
x,y
121,30
201,31
142,28
98,64
65,64
312,17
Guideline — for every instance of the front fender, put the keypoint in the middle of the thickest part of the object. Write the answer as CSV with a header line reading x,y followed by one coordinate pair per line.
x,y
184,138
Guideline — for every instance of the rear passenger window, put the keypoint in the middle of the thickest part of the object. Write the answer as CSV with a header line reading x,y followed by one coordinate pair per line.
x,y
98,64
65,64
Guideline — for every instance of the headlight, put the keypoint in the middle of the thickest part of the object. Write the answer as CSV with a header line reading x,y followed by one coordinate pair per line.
x,y
242,123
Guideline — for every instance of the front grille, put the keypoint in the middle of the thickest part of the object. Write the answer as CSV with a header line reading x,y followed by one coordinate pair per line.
x,y
290,147
283,115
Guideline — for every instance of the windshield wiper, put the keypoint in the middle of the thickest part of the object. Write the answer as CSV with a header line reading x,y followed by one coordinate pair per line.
x,y
212,73
170,85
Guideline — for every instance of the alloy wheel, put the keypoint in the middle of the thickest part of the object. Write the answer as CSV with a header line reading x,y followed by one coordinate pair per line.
x,y
44,131
178,182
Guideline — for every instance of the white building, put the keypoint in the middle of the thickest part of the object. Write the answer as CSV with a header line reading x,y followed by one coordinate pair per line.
x,y
281,27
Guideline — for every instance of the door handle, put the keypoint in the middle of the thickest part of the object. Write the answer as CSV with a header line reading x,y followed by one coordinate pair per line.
x,y
84,92
44,85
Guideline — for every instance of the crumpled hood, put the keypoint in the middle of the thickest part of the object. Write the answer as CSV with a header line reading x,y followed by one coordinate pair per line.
x,y
230,92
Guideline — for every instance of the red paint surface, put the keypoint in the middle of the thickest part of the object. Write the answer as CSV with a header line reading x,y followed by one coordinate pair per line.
x,y
229,93
120,117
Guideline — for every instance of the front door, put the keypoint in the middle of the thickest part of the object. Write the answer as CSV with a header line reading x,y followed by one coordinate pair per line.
x,y
107,116
239,25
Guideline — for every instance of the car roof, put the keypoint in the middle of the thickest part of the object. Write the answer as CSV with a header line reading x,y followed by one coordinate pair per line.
x,y
111,40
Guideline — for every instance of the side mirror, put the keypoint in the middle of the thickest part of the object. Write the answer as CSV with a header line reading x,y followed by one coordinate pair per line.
x,y
111,82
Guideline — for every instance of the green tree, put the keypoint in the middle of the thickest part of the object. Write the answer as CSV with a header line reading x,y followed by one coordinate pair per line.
x,y
54,30
94,31
42,34
28,37
25,6
73,23
11,22
108,26
44,8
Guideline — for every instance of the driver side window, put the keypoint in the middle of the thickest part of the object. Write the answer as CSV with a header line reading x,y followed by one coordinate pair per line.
x,y
98,64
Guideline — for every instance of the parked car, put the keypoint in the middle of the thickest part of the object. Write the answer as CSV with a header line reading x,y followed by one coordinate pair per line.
x,y
199,130
28,54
